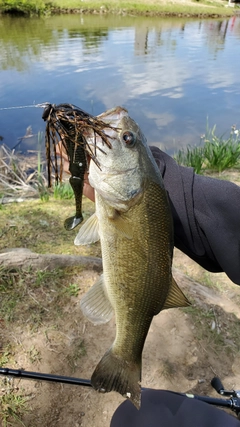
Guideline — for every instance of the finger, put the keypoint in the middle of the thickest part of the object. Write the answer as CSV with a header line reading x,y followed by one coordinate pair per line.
x,y
60,150
88,190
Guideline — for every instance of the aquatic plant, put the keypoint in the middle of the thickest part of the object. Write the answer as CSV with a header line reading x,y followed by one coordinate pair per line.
x,y
220,153
191,157
14,179
214,153
63,190
23,7
25,176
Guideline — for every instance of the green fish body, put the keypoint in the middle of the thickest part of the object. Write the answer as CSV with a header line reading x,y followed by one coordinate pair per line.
x,y
134,224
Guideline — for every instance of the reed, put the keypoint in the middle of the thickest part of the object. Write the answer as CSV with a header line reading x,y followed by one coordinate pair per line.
x,y
23,177
41,182
63,191
220,153
215,153
14,180
191,157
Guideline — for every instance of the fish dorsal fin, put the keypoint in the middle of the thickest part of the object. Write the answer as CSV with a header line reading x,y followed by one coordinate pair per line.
x,y
89,232
95,304
176,297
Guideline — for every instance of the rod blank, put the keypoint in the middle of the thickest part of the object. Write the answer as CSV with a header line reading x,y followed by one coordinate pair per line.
x,y
44,377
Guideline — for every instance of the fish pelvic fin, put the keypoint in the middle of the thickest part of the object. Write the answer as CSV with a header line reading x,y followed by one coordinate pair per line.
x,y
95,304
116,374
176,297
89,232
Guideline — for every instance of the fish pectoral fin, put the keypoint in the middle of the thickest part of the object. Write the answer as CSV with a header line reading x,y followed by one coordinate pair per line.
x,y
176,297
122,226
95,304
89,232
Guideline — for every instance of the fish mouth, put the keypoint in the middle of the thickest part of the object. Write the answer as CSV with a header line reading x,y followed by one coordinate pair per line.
x,y
68,122
104,129
112,116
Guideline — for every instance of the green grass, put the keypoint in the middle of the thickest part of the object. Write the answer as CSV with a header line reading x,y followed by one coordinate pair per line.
x,y
38,289
13,406
26,7
31,7
13,403
147,8
216,154
5,356
72,289
221,153
74,358
63,191
39,227
211,330
191,157
34,303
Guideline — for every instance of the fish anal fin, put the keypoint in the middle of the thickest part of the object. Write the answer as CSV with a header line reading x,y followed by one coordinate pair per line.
x,y
176,297
116,374
95,304
89,232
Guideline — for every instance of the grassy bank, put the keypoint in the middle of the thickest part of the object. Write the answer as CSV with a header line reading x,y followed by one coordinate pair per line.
x,y
205,8
214,154
43,329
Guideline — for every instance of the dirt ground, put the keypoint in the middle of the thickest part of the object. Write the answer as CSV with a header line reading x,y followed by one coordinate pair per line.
x,y
184,350
45,331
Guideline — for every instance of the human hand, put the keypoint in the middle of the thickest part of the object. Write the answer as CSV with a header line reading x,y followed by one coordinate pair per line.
x,y
88,190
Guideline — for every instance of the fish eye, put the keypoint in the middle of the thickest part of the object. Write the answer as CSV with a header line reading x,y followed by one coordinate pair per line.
x,y
129,138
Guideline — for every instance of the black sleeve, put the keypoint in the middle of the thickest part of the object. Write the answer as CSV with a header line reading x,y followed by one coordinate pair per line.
x,y
205,214
161,408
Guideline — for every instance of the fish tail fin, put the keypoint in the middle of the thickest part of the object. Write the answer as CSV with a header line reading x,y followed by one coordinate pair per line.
x,y
115,374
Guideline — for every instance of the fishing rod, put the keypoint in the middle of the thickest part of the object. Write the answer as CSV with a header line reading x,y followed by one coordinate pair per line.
x,y
233,403
19,373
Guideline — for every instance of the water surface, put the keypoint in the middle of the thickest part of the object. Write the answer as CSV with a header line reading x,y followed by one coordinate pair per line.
x,y
171,74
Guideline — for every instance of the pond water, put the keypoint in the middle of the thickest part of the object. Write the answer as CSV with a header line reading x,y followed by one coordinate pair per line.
x,y
171,74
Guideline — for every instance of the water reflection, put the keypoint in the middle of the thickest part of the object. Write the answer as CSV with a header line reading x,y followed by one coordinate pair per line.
x,y
170,73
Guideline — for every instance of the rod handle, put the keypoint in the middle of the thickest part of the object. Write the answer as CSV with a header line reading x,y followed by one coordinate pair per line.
x,y
216,383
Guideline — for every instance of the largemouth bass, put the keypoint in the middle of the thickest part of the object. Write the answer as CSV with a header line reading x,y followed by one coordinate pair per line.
x,y
134,224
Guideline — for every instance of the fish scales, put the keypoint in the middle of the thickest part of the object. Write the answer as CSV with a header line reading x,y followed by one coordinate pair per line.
x,y
134,224
136,264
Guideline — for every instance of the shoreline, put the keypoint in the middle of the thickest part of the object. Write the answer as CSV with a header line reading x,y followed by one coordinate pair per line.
x,y
188,9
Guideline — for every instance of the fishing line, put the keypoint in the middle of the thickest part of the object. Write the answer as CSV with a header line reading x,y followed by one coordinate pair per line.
x,y
43,105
